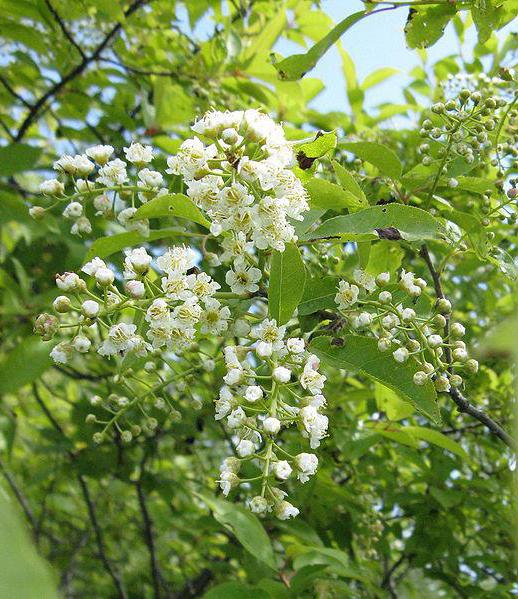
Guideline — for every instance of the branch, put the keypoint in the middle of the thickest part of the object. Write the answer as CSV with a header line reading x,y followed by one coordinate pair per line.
x,y
63,28
88,500
462,402
22,500
75,72
13,92
148,536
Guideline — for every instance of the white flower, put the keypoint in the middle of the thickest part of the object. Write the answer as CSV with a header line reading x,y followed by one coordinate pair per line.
x,y
139,154
243,278
295,345
113,173
306,464
73,210
100,154
90,308
264,349
258,505
102,204
272,425
91,267
281,374
227,481
233,376
150,178
201,285
315,425
214,318
121,338
270,334
312,380
61,353
409,284
52,187
365,280
191,159
285,510
253,393
82,225
434,341
245,448
235,418
347,295
282,470
136,262
69,281
177,259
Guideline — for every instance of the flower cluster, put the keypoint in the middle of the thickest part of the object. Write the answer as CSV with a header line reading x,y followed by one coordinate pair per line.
x,y
371,305
272,383
463,130
111,185
173,312
241,179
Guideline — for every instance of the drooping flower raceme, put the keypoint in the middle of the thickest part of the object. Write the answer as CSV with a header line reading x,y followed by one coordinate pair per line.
x,y
272,384
369,307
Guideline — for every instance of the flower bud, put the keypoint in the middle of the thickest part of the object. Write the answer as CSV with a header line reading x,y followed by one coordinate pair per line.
x,y
126,436
62,304
98,438
104,276
282,470
281,374
385,297
442,384
73,210
408,314
295,345
253,393
272,425
245,448
383,279
90,308
81,344
420,378
434,341
459,354
400,355
440,321
135,288
70,281
96,400
241,327
457,330
471,366
37,212
443,305
384,344
52,187
46,326
90,419
285,510
455,380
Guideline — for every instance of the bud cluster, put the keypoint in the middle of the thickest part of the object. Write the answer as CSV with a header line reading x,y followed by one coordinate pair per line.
x,y
272,383
371,305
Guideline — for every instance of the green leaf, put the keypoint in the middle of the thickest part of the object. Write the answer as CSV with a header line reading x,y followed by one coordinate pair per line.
x,y
382,157
362,354
17,158
173,204
349,183
328,196
425,25
378,76
319,294
321,145
296,66
246,527
384,256
413,224
486,16
287,278
389,402
24,364
106,246
22,572
437,438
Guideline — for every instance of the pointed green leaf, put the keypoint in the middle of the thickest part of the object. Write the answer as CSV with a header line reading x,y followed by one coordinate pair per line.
x,y
319,294
437,438
426,24
412,224
382,157
329,196
287,278
17,158
296,66
172,204
361,354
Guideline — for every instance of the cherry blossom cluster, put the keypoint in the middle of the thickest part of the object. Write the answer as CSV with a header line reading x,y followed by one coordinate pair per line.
x,y
238,172
173,312
372,305
272,383
96,183
464,129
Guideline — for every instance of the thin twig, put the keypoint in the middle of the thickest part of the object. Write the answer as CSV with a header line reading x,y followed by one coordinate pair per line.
x,y
64,29
463,404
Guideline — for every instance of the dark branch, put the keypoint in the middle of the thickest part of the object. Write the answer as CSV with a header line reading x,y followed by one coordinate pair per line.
x,y
63,28
148,537
22,500
13,93
75,72
462,403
